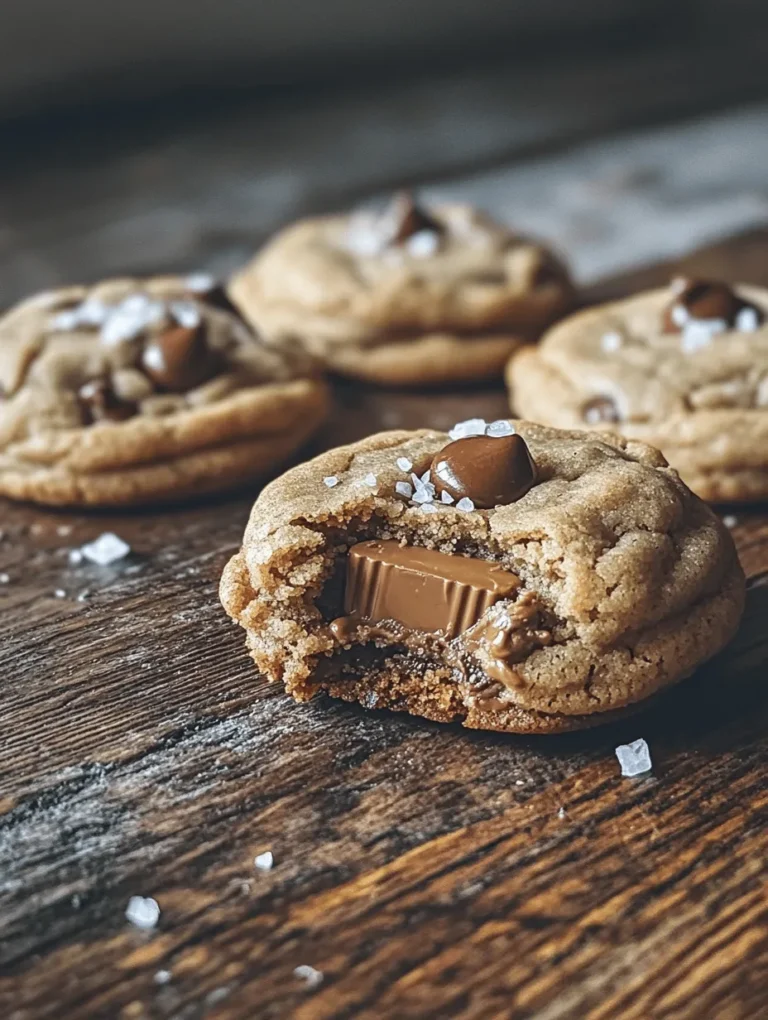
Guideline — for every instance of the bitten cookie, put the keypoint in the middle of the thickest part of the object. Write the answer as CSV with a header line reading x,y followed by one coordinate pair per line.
x,y
407,297
517,578
683,368
134,391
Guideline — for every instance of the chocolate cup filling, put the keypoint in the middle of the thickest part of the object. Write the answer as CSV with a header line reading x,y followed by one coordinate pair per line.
x,y
440,604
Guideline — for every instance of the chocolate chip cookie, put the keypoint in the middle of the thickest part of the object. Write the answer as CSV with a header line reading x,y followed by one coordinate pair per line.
x,y
134,391
684,368
408,296
508,576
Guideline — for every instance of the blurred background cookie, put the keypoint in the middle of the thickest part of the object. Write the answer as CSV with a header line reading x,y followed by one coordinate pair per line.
x,y
411,295
134,391
684,368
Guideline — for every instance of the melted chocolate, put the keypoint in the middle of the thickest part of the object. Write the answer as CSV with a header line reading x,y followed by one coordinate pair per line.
x,y
99,402
508,636
489,470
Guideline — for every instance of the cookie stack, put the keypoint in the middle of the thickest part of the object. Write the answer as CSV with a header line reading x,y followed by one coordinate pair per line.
x,y
506,575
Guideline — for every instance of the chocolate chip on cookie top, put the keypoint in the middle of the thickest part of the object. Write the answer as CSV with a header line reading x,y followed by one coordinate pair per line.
x,y
489,470
407,219
701,309
179,359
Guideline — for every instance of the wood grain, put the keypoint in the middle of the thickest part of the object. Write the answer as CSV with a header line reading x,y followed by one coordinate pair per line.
x,y
426,871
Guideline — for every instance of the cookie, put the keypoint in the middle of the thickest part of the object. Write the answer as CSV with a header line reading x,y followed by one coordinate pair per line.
x,y
508,576
406,297
683,368
134,391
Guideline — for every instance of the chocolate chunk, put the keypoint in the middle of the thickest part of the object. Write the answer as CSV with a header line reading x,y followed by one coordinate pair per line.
x,y
703,300
489,470
422,589
600,409
99,402
179,359
216,296
408,218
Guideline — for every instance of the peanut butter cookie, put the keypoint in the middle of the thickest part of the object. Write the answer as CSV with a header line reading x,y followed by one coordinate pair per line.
x,y
135,391
406,297
684,368
508,576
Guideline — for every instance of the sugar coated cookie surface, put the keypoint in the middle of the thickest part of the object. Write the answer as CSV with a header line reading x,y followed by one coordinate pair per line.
x,y
684,368
132,391
412,295
508,576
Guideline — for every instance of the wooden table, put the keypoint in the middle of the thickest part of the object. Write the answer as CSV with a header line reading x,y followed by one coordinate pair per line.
x,y
424,870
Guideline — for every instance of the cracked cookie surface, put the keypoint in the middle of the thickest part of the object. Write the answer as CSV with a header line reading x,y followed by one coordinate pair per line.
x,y
627,582
134,391
406,297
697,388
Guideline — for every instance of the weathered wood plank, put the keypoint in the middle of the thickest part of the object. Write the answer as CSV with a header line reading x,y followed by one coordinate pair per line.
x,y
426,871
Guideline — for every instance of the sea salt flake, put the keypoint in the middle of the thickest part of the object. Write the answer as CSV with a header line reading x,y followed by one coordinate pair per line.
x,y
634,758
64,322
470,427
500,428
730,520
309,975
4,578
429,508
465,503
93,312
698,333
426,477
679,315
404,489
59,593
108,548
162,977
370,479
446,497
199,283
143,911
330,481
747,320
561,813
404,464
264,861
132,317
422,244
610,342
186,313
423,492
75,557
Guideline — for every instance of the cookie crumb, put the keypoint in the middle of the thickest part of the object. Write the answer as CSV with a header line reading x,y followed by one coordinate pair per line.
x,y
730,520
264,861
466,504
143,912
404,464
610,342
106,549
162,977
309,975
634,758
330,481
